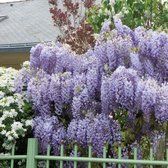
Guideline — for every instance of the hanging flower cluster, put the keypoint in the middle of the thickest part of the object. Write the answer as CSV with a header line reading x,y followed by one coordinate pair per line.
x,y
82,98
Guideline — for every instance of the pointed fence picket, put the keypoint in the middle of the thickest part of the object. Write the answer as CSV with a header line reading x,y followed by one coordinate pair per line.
x,y
32,157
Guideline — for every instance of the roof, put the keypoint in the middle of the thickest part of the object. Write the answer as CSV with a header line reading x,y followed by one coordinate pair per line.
x,y
28,22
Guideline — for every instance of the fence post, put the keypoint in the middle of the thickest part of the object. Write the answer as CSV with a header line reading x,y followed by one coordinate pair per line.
x,y
32,151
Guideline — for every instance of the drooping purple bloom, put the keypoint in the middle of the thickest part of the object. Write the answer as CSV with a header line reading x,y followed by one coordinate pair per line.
x,y
35,56
123,86
122,48
146,95
136,63
80,92
76,107
100,53
66,89
148,67
37,92
55,93
58,136
48,59
112,57
100,131
22,79
106,26
82,132
161,112
105,99
121,29
158,42
92,81
72,130
44,129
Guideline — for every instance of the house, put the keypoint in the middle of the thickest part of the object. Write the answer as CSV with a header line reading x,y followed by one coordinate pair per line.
x,y
23,24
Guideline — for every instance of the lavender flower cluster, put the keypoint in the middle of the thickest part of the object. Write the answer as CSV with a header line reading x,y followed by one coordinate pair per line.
x,y
74,95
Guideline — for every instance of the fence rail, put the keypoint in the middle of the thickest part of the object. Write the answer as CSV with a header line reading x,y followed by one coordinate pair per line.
x,y
32,157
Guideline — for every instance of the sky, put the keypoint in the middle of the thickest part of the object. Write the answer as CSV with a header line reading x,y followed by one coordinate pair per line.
x,y
3,1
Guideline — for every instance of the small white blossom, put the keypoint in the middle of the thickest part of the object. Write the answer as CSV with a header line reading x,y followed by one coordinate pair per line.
x,y
2,125
164,1
3,132
10,138
14,113
12,107
1,94
29,122
112,2
17,126
26,64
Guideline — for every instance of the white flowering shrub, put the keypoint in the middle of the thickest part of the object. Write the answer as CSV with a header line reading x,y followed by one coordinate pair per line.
x,y
15,111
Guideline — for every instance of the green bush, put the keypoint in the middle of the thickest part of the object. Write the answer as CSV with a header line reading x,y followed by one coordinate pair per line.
x,y
133,13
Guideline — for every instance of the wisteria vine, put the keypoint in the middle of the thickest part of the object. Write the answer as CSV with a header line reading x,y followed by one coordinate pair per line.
x,y
83,98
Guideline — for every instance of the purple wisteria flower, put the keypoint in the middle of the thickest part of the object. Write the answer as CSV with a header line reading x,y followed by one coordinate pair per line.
x,y
127,69
35,56
48,59
102,130
43,130
23,78
66,89
58,137
146,96
161,112
37,92
121,29
92,81
54,93
105,96
106,26
122,87
136,63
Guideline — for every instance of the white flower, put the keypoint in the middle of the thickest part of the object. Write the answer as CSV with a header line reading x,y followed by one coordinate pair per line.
x,y
10,99
5,115
14,113
1,94
14,129
26,64
29,122
112,2
10,138
8,133
15,135
2,125
108,12
9,114
7,147
2,70
5,154
118,15
19,163
3,132
163,1
17,126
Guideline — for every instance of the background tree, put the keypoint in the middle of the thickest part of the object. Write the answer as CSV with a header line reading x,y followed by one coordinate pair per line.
x,y
69,17
148,13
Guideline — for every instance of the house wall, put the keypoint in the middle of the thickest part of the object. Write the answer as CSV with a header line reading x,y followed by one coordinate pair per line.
x,y
13,59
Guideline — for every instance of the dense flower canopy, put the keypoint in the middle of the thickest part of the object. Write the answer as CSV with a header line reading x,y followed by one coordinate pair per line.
x,y
127,69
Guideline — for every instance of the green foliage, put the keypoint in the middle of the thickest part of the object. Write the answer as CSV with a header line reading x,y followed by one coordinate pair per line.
x,y
148,13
